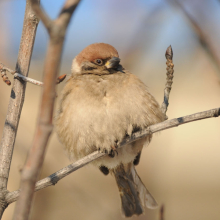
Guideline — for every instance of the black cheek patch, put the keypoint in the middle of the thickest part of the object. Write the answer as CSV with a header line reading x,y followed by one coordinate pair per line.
x,y
86,68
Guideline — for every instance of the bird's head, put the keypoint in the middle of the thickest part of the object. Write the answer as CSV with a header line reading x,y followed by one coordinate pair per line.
x,y
98,59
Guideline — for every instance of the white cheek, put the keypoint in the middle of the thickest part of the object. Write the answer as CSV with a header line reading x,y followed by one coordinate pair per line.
x,y
75,67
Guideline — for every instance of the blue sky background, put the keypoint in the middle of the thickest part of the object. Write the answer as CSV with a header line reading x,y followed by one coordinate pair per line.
x,y
114,22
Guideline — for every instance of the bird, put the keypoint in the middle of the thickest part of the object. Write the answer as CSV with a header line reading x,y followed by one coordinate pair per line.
x,y
101,104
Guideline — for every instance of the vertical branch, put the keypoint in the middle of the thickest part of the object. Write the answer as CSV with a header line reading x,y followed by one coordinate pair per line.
x,y
44,128
169,80
31,170
16,101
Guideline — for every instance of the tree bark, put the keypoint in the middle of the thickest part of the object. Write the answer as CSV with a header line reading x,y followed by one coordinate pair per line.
x,y
16,101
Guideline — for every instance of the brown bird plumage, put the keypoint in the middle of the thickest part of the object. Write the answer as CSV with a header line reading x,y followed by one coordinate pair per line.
x,y
100,104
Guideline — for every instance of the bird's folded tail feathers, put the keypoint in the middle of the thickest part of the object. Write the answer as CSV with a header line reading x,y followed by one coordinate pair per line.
x,y
134,195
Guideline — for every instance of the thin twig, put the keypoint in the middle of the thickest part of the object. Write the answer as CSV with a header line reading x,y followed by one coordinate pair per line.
x,y
36,82
27,79
3,68
169,79
55,177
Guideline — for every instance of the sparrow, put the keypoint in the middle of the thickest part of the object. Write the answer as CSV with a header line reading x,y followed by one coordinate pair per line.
x,y
101,104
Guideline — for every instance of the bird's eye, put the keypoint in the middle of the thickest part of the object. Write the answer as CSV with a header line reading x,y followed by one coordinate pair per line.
x,y
99,61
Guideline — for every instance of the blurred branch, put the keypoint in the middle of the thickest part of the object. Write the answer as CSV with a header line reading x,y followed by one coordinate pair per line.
x,y
41,14
169,79
55,177
57,30
205,34
16,101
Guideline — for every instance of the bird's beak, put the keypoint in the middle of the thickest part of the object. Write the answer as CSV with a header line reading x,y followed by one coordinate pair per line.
x,y
112,63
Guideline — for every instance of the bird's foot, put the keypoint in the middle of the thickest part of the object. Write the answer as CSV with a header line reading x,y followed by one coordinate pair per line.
x,y
113,151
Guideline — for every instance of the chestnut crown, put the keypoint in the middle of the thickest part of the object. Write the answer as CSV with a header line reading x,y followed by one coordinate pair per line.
x,y
98,58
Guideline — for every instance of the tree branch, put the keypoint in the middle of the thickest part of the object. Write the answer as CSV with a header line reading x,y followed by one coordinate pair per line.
x,y
66,12
42,15
16,101
31,170
198,13
55,177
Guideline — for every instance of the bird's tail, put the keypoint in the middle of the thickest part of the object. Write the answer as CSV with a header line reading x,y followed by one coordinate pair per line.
x,y
134,195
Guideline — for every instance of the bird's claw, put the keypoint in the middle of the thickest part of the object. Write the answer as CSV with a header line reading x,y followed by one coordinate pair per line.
x,y
111,152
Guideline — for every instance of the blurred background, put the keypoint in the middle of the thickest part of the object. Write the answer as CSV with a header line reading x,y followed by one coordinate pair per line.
x,y
181,165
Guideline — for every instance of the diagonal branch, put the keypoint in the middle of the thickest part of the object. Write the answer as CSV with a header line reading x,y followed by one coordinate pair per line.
x,y
66,12
197,14
41,14
55,177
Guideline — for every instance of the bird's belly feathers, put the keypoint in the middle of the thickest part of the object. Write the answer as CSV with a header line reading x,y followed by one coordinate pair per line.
x,y
97,117
83,129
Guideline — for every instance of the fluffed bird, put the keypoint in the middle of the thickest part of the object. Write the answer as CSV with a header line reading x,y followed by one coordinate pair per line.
x,y
101,104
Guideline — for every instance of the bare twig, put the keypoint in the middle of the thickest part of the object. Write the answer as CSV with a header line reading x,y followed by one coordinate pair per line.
x,y
16,101
31,170
55,177
38,83
169,80
3,68
27,79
